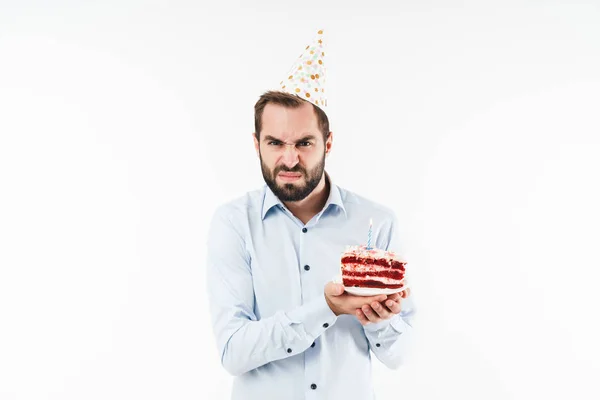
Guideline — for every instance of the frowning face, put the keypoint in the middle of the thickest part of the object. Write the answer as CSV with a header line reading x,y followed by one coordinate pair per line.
x,y
292,151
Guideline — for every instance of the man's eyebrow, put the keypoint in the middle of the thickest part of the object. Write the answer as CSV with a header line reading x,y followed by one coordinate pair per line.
x,y
307,138
304,139
269,137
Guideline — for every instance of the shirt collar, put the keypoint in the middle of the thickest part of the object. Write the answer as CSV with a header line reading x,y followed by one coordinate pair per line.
x,y
335,198
269,201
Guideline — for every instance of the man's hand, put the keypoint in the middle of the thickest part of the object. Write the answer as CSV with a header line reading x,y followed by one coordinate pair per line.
x,y
379,311
344,303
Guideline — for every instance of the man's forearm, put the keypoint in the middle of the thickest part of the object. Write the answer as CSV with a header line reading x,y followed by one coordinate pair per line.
x,y
247,344
390,340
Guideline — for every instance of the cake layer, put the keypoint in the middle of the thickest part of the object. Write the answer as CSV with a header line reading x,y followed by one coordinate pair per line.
x,y
382,279
389,273
371,268
349,282
351,259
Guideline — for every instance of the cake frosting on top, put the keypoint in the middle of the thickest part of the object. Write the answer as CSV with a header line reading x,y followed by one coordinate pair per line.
x,y
372,268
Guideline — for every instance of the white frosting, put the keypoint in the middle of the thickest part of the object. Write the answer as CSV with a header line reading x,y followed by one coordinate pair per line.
x,y
366,267
361,251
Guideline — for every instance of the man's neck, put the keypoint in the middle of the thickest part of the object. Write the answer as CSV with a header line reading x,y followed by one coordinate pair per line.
x,y
307,208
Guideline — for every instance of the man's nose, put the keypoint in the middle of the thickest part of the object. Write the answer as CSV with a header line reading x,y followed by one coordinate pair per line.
x,y
290,156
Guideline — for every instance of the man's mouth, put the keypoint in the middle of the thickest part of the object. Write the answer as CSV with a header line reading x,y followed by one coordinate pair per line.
x,y
289,176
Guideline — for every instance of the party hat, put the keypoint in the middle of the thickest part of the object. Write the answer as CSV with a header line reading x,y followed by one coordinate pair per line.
x,y
306,78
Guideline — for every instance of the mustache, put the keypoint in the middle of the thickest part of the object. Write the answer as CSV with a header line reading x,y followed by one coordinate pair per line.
x,y
296,169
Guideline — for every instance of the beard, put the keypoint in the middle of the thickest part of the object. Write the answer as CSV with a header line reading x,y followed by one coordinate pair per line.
x,y
291,191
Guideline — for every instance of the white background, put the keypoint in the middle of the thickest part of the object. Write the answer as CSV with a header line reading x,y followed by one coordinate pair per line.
x,y
123,124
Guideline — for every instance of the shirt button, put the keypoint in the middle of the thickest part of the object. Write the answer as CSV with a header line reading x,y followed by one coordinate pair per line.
x,y
289,350
307,267
325,325
313,386
304,230
377,344
313,345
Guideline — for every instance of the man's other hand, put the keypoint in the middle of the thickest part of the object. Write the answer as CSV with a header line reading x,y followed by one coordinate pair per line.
x,y
379,311
341,302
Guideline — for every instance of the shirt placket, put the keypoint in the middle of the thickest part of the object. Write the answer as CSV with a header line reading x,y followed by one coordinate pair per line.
x,y
312,376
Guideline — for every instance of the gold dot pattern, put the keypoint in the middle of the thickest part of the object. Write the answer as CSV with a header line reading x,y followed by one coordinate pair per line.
x,y
307,75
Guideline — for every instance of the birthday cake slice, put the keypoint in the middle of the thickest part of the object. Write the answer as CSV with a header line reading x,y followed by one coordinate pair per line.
x,y
372,268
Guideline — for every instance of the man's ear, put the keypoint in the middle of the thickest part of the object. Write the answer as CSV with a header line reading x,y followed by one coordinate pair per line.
x,y
256,144
328,143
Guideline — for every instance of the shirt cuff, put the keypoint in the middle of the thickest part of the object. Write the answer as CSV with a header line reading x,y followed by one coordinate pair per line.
x,y
400,325
378,326
315,315
396,322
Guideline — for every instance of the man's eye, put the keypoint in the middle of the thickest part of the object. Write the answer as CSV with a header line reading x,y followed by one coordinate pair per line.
x,y
304,144
274,143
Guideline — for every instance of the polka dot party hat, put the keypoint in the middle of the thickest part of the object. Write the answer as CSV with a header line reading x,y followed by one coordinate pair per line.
x,y
306,78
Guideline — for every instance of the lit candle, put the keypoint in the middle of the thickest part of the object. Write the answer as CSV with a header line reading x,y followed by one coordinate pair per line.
x,y
370,233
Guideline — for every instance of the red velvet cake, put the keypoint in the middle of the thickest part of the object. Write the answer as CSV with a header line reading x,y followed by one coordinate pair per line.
x,y
374,268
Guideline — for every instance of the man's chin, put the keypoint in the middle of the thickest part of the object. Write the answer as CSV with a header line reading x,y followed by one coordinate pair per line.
x,y
290,188
290,191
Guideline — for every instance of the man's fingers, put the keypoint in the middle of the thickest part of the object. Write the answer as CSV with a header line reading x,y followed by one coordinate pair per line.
x,y
381,297
394,306
394,296
381,311
370,314
359,301
361,317
377,308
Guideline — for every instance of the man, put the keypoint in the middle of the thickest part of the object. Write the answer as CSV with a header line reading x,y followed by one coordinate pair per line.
x,y
283,328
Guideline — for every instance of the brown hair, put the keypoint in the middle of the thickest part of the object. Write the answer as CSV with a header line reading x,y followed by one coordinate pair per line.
x,y
290,101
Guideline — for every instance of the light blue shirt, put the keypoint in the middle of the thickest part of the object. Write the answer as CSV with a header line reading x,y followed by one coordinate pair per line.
x,y
274,330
